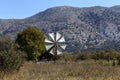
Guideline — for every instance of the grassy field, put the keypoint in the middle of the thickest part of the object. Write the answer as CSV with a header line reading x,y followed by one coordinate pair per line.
x,y
83,70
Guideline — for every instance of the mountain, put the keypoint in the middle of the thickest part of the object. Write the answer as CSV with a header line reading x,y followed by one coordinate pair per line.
x,y
87,28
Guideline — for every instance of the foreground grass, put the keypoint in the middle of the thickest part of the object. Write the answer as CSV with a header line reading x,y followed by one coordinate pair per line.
x,y
83,70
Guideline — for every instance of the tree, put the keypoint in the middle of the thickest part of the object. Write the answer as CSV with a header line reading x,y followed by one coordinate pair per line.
x,y
31,41
11,58
6,43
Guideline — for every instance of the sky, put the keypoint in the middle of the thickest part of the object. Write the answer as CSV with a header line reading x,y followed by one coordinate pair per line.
x,y
19,9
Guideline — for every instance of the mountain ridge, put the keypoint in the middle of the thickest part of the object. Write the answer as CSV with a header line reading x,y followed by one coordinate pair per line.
x,y
87,28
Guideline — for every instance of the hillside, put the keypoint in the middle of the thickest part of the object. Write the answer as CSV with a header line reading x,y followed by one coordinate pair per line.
x,y
84,28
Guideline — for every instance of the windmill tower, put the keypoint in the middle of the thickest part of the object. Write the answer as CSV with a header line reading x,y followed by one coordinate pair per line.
x,y
55,43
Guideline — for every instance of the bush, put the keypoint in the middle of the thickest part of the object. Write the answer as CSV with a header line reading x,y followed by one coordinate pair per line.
x,y
85,55
10,57
68,57
112,53
5,43
99,54
9,62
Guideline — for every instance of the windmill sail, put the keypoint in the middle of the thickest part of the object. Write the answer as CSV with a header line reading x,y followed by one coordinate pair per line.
x,y
48,41
52,52
58,36
63,46
52,36
58,52
61,39
48,46
55,44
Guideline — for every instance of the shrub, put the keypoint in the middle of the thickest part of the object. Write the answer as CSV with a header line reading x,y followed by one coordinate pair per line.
x,y
9,61
67,57
10,57
85,55
111,53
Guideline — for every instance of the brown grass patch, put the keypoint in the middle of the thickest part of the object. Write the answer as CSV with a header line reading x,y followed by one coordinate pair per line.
x,y
86,70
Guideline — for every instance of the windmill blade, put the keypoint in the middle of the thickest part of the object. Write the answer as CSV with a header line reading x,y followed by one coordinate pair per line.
x,y
58,36
59,52
48,46
48,41
52,52
52,36
62,39
63,46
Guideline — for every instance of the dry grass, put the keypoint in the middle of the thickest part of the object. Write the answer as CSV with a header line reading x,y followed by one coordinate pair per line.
x,y
86,70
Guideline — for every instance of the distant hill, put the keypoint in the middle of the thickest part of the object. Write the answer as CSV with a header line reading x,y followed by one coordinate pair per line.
x,y
87,28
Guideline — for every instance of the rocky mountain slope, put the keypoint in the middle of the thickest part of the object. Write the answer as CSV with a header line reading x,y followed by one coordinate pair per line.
x,y
84,28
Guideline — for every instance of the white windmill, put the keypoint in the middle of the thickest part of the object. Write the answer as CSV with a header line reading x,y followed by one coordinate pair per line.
x,y
55,43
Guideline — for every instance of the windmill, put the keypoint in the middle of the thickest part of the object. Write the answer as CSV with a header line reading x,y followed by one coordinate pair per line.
x,y
55,43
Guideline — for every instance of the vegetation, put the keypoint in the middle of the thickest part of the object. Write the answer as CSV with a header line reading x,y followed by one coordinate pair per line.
x,y
10,57
31,40
83,70
86,65
9,63
111,56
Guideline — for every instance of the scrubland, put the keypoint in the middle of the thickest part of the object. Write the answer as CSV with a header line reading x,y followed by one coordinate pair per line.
x,y
81,70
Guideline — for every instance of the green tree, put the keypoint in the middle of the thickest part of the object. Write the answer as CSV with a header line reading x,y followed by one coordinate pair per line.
x,y
31,41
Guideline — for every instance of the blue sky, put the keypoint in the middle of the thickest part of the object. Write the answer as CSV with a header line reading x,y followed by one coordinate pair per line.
x,y
19,9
